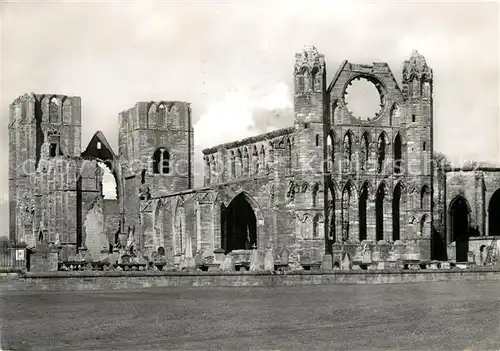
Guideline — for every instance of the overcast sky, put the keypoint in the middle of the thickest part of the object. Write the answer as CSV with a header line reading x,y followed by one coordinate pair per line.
x,y
234,60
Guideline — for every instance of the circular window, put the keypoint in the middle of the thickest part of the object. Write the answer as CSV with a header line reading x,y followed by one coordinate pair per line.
x,y
362,99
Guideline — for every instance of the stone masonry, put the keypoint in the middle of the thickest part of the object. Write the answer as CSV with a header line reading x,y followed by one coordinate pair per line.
x,y
331,179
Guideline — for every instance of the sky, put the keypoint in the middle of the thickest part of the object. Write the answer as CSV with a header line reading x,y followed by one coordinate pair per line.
x,y
233,60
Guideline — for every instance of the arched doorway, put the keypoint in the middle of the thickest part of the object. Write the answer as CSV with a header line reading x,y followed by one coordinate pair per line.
x,y
239,225
494,214
459,213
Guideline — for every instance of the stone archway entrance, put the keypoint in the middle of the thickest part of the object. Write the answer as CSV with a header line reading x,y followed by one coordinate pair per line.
x,y
459,212
239,224
494,214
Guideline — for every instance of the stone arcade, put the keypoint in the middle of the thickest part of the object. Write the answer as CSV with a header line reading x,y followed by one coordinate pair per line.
x,y
364,190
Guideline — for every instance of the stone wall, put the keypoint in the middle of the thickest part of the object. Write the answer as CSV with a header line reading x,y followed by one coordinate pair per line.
x,y
362,152
95,281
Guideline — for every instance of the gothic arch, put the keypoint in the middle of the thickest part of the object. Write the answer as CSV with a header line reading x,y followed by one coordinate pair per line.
x,y
151,123
459,223
398,153
395,113
425,226
381,199
159,225
365,194
382,146
349,198
397,197
334,113
364,151
242,199
425,198
494,214
161,161
179,228
54,109
162,114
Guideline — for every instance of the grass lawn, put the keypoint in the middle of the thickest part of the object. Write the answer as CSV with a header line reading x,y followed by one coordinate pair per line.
x,y
422,316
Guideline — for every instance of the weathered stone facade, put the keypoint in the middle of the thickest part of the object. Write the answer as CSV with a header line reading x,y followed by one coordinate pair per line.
x,y
332,181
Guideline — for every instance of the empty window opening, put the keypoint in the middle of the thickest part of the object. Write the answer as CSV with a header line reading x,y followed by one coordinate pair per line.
x,y
398,154
381,152
317,139
413,118
108,182
161,162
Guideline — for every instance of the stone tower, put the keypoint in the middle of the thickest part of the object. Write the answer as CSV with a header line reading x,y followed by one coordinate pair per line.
x,y
417,90
156,148
41,127
307,155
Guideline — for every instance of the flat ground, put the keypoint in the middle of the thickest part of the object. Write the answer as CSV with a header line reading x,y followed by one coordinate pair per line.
x,y
427,316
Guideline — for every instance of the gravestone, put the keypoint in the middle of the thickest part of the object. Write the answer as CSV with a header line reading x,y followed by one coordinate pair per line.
x,y
412,251
346,263
228,264
327,263
219,255
366,256
269,260
452,252
113,258
284,256
317,257
198,259
53,258
471,257
255,261
169,257
433,265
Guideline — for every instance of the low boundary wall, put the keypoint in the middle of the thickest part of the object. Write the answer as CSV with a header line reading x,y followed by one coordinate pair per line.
x,y
92,281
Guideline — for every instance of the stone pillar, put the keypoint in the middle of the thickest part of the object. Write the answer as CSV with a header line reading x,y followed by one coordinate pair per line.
x,y
387,218
370,219
216,224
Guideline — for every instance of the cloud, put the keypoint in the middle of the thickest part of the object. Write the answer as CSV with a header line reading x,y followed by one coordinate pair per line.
x,y
240,114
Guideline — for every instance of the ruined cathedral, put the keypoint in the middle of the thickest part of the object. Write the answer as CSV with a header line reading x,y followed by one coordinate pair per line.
x,y
329,180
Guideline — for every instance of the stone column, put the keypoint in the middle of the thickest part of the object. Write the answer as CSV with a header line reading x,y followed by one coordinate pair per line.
x,y
370,219
387,218
216,223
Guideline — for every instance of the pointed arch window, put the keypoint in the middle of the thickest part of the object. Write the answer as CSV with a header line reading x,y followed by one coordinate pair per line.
x,y
262,156
381,152
364,152
347,147
232,165
425,198
162,113
315,223
161,161
329,152
334,114
398,154
54,110
301,79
